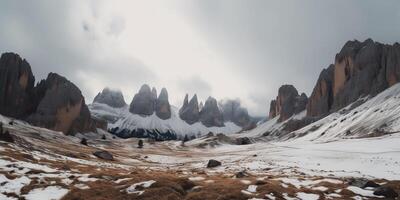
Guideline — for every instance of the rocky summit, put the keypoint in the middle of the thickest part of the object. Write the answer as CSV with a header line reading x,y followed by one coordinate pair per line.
x,y
360,69
189,111
287,103
234,112
113,98
16,85
55,103
211,115
163,109
61,107
143,103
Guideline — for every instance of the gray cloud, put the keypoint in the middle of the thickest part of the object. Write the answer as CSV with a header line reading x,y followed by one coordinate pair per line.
x,y
263,44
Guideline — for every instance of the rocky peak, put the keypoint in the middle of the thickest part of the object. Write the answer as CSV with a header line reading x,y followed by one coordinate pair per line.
x,y
154,92
360,69
61,106
16,84
113,98
287,103
189,111
163,108
234,112
143,103
211,115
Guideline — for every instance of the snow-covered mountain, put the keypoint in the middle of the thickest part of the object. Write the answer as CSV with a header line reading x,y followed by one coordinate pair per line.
x,y
124,123
375,116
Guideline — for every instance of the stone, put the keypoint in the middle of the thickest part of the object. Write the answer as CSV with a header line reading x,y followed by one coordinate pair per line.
x,y
386,191
16,85
105,155
287,103
189,111
211,115
362,183
84,141
113,98
5,135
61,106
243,141
213,163
143,103
163,108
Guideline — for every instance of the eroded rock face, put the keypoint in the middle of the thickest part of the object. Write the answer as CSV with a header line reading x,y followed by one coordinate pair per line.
x,y
163,108
61,106
321,98
190,110
144,102
234,112
211,115
16,84
360,69
110,97
287,103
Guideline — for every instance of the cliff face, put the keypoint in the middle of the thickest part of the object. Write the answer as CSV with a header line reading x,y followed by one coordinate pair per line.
x,y
113,98
360,69
16,85
55,103
287,103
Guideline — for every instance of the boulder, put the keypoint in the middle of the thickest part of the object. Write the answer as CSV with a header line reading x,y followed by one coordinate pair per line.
x,y
16,85
211,115
213,163
243,141
386,191
143,103
287,103
110,97
61,106
362,183
189,112
360,69
163,109
105,155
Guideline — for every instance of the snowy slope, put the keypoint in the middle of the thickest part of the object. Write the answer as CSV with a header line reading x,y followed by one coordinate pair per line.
x,y
376,116
122,118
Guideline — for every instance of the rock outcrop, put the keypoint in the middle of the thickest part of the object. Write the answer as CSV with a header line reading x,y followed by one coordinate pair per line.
x,y
16,85
234,112
163,109
110,97
61,106
211,115
189,111
144,101
287,103
54,103
360,69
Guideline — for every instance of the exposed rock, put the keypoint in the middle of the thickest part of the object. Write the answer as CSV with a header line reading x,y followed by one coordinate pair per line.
x,y
61,106
243,141
144,102
5,135
100,123
16,84
110,97
163,109
360,69
234,112
105,155
362,183
321,98
241,174
213,163
84,141
287,103
211,115
386,191
190,110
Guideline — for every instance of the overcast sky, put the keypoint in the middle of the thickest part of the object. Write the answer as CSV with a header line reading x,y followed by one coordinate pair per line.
x,y
240,49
